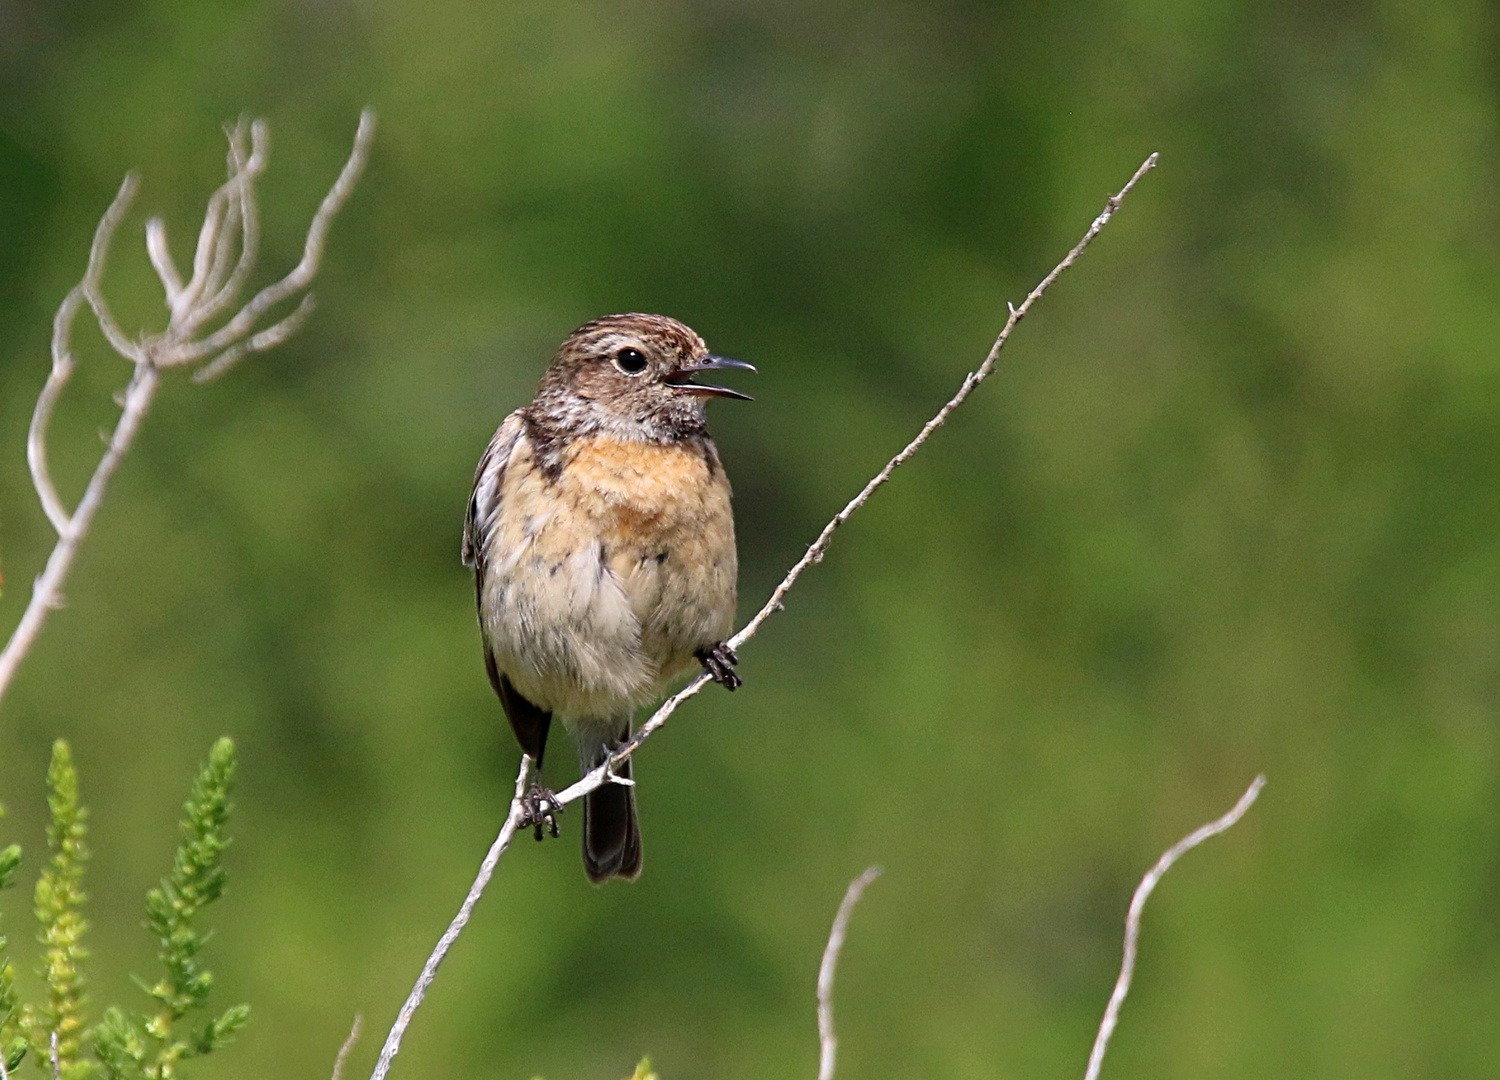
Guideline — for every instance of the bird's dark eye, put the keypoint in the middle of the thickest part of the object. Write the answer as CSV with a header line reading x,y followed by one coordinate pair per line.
x,y
630,361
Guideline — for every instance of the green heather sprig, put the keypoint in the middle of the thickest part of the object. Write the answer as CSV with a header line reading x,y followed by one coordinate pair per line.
x,y
125,1045
59,901
123,1042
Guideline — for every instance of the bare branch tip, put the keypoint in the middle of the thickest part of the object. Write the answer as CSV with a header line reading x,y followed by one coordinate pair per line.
x,y
1146,166
348,1046
1143,893
827,1039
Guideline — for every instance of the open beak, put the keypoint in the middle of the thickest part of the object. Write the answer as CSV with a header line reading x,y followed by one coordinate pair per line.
x,y
683,377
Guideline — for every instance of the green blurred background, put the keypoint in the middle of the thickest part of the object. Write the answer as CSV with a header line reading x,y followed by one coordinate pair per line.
x,y
1232,504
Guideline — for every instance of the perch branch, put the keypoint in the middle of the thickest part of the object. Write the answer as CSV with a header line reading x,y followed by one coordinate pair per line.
x,y
229,222
1138,904
815,553
392,1045
828,1041
604,774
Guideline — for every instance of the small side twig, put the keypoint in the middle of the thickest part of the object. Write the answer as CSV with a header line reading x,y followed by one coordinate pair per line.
x,y
52,1052
828,1041
1138,904
348,1047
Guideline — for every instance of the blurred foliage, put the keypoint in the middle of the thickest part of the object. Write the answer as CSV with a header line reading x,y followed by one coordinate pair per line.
x,y
644,1071
122,1042
1232,504
12,1039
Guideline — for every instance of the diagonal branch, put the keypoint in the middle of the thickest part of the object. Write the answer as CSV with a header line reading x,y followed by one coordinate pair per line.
x,y
815,553
828,1041
604,773
1138,904
513,820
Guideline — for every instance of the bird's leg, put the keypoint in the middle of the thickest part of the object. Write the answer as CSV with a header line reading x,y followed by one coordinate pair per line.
x,y
718,662
540,807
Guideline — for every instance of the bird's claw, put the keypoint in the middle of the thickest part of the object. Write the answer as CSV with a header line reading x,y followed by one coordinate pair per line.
x,y
718,664
540,809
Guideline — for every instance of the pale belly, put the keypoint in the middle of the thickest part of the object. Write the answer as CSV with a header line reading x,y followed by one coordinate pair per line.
x,y
602,584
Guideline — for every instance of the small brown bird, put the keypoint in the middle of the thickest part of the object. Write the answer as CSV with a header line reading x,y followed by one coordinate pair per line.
x,y
602,544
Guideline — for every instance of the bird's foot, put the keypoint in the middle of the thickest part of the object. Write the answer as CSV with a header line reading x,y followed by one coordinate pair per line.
x,y
540,808
718,663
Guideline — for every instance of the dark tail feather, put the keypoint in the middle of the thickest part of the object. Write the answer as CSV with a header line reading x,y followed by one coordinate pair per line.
x,y
611,836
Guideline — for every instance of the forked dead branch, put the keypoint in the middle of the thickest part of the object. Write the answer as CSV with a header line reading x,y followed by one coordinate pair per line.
x,y
604,774
225,257
1127,960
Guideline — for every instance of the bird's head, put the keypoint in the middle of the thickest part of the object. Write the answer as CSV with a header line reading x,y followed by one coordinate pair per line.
x,y
633,376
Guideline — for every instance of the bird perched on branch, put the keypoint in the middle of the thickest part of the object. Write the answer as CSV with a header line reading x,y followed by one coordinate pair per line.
x,y
602,544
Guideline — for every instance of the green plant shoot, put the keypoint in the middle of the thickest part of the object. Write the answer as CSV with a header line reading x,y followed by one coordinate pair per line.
x,y
136,1046
59,900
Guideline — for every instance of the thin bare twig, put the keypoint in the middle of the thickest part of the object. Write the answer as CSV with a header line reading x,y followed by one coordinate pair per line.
x,y
604,774
312,253
46,592
271,336
56,1064
229,221
392,1045
348,1047
160,255
828,1041
1138,904
248,162
62,356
